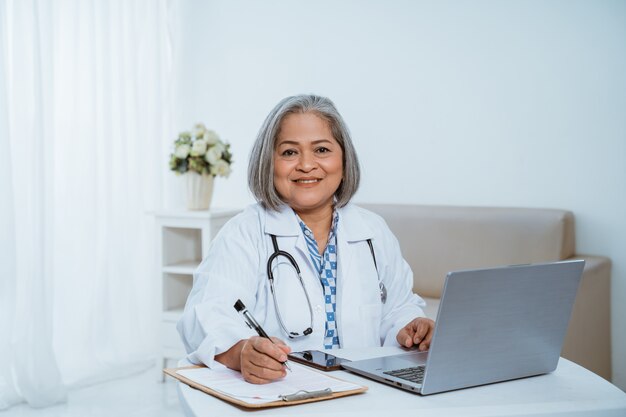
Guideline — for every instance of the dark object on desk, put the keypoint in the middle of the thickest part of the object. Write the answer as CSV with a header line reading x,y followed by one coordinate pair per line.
x,y
318,360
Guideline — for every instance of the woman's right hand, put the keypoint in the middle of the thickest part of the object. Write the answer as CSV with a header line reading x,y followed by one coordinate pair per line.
x,y
258,359
261,360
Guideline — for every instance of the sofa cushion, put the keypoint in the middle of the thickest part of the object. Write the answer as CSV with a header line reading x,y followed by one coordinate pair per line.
x,y
438,239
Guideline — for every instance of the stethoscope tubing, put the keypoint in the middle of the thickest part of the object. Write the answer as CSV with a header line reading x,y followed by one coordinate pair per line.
x,y
294,264
270,276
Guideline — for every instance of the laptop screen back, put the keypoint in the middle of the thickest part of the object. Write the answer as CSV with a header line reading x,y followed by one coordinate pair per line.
x,y
499,324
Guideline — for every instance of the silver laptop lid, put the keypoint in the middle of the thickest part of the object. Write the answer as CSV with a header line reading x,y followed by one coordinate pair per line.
x,y
500,324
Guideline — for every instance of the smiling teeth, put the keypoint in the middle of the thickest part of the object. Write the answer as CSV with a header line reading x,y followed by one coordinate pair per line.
x,y
306,181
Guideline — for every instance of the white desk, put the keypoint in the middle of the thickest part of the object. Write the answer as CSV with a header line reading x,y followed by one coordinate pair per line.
x,y
569,391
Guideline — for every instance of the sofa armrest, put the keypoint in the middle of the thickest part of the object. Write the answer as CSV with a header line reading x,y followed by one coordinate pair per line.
x,y
588,338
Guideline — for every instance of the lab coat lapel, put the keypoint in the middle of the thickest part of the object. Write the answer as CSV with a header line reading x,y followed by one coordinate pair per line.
x,y
284,224
351,231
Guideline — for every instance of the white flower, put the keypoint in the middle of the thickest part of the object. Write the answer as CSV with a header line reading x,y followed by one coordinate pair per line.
x,y
220,145
182,151
199,130
200,142
221,168
214,154
199,148
211,137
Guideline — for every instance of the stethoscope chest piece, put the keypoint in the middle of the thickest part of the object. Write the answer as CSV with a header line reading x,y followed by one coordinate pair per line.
x,y
383,292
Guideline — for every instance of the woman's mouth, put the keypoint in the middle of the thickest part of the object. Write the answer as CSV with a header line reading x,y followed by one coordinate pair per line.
x,y
307,180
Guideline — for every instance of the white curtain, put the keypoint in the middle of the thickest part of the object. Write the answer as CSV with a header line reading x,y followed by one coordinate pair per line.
x,y
84,117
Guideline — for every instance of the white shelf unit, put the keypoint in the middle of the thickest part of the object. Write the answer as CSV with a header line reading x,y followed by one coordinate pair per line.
x,y
183,239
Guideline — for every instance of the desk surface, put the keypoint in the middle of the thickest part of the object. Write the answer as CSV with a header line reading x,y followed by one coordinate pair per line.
x,y
571,390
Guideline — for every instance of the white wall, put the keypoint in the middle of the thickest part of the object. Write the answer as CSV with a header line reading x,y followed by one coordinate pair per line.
x,y
517,103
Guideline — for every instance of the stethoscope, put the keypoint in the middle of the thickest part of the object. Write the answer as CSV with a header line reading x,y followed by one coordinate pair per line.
x,y
294,264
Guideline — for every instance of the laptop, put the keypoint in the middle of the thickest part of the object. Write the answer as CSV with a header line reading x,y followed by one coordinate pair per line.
x,y
493,325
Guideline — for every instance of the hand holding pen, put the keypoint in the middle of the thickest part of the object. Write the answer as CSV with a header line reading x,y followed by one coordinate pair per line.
x,y
263,359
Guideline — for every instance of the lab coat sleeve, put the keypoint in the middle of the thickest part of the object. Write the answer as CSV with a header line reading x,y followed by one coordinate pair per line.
x,y
210,325
402,304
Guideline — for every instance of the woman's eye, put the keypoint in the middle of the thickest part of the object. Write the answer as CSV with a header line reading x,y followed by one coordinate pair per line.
x,y
322,150
288,152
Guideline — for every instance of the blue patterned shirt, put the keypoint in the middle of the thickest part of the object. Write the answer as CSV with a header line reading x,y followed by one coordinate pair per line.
x,y
326,267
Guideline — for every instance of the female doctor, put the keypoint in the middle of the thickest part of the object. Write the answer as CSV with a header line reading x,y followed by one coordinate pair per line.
x,y
354,288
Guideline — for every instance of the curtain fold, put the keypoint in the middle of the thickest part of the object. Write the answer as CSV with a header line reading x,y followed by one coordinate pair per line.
x,y
8,390
31,372
85,89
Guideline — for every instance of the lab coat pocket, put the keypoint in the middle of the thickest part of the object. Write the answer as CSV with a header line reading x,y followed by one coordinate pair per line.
x,y
370,315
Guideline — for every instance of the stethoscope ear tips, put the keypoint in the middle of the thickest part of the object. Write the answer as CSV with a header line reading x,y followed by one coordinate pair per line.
x,y
308,331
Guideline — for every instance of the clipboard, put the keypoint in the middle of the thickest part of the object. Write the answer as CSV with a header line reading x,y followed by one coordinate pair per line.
x,y
293,398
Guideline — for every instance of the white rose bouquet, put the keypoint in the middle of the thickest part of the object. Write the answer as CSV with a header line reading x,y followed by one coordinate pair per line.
x,y
201,151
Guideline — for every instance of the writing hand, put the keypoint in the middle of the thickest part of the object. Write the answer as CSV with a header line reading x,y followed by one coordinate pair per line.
x,y
261,360
418,332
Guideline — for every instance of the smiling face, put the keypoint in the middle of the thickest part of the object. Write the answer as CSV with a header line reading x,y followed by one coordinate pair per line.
x,y
308,163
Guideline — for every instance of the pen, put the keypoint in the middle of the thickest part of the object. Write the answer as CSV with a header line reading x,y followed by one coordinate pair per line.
x,y
253,324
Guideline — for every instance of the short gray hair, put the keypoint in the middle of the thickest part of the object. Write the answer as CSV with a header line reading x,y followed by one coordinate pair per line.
x,y
261,166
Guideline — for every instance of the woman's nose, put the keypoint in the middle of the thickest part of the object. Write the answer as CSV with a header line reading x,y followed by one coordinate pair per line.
x,y
306,162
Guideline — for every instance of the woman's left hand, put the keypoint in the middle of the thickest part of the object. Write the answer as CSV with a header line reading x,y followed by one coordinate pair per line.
x,y
418,332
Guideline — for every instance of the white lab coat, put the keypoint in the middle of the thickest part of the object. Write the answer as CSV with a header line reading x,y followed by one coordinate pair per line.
x,y
236,265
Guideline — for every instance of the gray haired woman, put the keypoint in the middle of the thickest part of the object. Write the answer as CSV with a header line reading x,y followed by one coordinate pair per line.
x,y
316,271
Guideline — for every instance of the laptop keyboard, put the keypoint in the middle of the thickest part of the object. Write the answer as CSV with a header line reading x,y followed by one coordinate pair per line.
x,y
414,374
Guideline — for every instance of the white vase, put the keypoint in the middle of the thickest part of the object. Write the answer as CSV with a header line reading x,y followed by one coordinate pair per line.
x,y
199,191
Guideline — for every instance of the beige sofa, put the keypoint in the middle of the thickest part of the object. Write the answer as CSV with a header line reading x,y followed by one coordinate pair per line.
x,y
438,239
